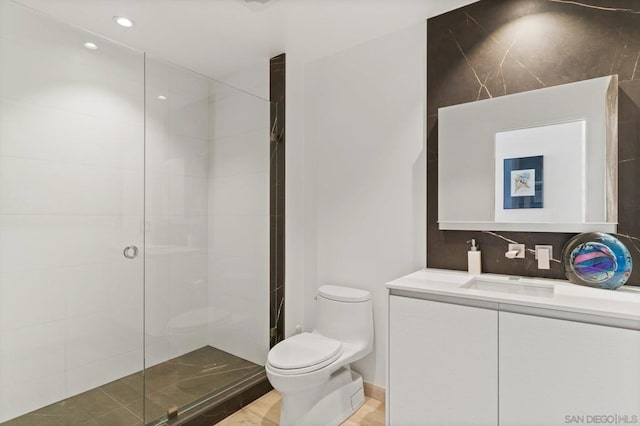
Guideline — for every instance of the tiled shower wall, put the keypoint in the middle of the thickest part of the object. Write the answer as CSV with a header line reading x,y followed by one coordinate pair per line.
x,y
207,215
499,47
176,210
239,219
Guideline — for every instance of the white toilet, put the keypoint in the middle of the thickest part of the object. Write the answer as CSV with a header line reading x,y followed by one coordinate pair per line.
x,y
312,370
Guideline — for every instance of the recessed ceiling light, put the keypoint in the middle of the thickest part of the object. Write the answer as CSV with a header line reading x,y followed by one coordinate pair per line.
x,y
123,21
162,97
91,46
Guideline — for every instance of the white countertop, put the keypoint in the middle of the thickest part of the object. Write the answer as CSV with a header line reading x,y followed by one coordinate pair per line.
x,y
560,295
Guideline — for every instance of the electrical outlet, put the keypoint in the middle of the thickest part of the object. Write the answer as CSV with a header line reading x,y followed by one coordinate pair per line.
x,y
543,247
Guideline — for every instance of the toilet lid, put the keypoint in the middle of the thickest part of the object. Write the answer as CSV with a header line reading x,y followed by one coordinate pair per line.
x,y
304,350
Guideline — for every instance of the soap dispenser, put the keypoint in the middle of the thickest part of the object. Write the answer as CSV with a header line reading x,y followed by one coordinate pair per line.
x,y
473,257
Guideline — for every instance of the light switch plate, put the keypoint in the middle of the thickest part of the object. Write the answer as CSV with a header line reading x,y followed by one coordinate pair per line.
x,y
521,250
548,247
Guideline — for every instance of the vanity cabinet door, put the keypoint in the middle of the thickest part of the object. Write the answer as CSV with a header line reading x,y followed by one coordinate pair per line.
x,y
555,372
442,364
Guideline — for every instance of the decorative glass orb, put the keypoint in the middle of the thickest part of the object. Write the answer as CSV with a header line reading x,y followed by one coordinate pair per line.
x,y
597,260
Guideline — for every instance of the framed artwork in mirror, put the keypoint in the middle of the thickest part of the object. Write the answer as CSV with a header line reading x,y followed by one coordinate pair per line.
x,y
523,183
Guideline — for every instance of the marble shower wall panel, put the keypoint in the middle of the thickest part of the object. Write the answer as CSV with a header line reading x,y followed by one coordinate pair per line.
x,y
277,68
497,47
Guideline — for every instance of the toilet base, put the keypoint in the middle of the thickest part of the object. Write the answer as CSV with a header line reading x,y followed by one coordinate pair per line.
x,y
343,395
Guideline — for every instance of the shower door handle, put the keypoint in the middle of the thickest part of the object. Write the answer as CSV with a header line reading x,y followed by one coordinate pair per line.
x,y
130,252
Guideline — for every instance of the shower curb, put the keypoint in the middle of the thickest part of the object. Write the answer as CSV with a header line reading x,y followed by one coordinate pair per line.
x,y
224,404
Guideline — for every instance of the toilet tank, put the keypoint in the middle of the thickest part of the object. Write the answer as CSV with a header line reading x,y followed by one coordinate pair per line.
x,y
345,314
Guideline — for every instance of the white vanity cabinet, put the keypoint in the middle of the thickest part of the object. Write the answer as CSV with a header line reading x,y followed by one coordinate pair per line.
x,y
555,372
518,352
442,363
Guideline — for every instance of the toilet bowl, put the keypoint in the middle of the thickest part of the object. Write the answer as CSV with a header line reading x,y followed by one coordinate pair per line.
x,y
312,370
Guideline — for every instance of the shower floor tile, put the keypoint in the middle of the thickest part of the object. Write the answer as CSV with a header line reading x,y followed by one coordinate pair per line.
x,y
176,382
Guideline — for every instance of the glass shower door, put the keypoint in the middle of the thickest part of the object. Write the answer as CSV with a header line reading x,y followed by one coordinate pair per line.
x,y
71,224
207,239
134,231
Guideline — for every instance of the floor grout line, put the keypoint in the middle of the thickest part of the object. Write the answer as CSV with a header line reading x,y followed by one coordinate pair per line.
x,y
119,403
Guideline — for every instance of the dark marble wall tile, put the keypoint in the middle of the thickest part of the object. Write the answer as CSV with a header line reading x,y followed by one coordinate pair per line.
x,y
497,47
277,196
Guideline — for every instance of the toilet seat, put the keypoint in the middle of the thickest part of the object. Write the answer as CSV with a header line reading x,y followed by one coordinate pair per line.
x,y
303,353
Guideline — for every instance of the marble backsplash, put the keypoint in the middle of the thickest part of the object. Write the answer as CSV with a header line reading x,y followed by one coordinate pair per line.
x,y
497,47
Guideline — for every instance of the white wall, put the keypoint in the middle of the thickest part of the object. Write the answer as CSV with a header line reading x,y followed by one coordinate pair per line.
x,y
253,79
300,241
71,182
363,205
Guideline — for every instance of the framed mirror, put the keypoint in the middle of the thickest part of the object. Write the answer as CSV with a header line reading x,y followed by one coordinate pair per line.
x,y
537,161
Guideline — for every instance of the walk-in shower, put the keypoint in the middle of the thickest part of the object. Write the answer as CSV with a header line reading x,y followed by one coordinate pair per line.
x,y
134,230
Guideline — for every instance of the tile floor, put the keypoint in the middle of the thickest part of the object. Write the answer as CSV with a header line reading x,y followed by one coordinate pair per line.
x,y
265,411
178,382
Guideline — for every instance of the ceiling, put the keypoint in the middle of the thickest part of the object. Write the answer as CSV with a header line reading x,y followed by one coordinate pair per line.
x,y
218,37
